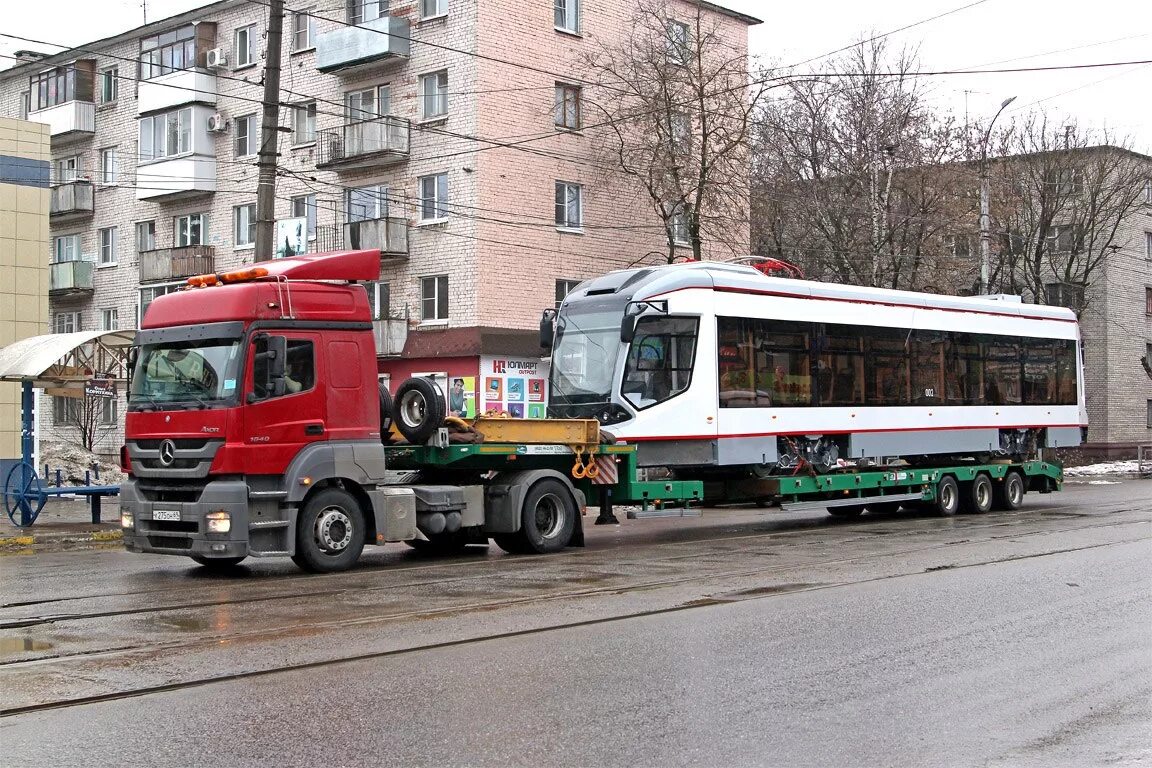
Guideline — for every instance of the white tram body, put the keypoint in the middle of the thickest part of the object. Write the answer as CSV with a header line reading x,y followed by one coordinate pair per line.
x,y
728,367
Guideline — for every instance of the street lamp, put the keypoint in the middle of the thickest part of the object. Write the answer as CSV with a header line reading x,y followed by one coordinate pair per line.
x,y
985,235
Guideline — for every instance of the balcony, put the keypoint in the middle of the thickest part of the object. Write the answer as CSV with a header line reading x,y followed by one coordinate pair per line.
x,y
175,263
175,178
70,278
389,235
71,200
185,86
367,144
67,121
374,42
390,335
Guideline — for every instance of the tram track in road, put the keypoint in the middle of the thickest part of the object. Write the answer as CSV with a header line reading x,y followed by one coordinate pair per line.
x,y
698,604
854,531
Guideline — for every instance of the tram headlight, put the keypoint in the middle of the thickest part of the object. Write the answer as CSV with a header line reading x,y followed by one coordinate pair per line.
x,y
219,521
613,414
126,520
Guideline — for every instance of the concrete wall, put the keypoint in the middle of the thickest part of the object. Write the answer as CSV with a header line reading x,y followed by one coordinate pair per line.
x,y
24,198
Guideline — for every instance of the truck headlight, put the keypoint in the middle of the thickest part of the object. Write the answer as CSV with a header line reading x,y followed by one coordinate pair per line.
x,y
126,519
219,521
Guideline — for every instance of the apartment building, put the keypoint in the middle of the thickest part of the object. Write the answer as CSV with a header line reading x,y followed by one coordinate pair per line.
x,y
24,201
393,136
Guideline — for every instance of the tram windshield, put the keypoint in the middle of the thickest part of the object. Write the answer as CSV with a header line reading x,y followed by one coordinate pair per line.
x,y
584,357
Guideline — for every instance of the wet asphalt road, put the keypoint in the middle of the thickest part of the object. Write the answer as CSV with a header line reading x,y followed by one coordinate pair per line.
x,y
741,638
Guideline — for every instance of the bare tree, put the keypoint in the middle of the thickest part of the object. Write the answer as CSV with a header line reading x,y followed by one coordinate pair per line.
x,y
1063,196
673,104
854,174
86,416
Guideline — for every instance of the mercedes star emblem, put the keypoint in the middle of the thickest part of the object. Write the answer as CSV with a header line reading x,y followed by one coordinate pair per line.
x,y
167,453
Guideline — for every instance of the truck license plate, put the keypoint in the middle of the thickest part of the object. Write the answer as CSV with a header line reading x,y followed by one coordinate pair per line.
x,y
166,514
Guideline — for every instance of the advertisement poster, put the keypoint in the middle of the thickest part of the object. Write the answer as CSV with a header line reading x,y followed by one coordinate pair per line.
x,y
517,386
291,237
462,397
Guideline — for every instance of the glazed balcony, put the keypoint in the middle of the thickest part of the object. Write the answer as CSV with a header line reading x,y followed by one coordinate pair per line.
x,y
375,42
174,263
375,143
67,121
70,278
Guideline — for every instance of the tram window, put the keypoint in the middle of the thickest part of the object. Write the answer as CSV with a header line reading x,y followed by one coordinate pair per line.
x,y
1001,370
787,347
1065,353
744,369
926,350
840,366
1038,386
660,360
886,357
963,370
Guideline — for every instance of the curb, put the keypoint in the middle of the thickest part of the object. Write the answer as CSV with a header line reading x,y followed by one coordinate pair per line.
x,y
46,541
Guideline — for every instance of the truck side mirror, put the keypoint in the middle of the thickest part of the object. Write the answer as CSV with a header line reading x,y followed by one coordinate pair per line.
x,y
628,329
547,328
277,364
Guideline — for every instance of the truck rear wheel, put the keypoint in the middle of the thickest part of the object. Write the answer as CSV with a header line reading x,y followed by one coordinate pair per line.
x,y
329,532
947,497
977,498
419,409
1009,494
547,520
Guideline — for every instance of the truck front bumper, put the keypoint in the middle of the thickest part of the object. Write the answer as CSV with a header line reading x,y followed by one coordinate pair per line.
x,y
181,527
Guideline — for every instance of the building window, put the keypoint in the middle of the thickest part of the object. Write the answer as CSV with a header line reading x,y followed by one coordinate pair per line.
x,y
434,197
109,319
563,288
190,230
678,41
66,248
432,8
108,411
379,298
678,223
66,322
1148,190
108,84
60,85
304,207
149,294
145,236
958,246
568,106
569,213
244,46
434,95
1148,245
246,133
1064,295
109,238
108,169
303,30
1062,238
568,15
66,169
168,52
360,11
434,298
1149,414
368,104
366,203
1148,301
304,124
25,104
166,135
244,218
680,132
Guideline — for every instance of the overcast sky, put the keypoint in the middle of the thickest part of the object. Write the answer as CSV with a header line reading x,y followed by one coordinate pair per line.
x,y
1027,32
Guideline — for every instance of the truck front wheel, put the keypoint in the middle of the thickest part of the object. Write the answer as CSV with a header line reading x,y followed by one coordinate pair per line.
x,y
329,532
547,520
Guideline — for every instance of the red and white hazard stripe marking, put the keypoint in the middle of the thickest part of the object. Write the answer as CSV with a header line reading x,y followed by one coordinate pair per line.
x,y
609,474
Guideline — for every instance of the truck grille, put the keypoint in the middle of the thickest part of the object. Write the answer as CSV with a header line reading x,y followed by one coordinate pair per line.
x,y
169,542
171,526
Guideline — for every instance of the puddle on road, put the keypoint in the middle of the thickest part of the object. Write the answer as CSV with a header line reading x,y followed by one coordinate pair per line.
x,y
18,644
187,624
771,590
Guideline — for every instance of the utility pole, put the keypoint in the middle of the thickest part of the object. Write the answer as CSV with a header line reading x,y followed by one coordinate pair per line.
x,y
269,137
985,225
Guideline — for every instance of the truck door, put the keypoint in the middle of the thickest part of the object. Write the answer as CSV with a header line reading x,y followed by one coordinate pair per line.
x,y
283,414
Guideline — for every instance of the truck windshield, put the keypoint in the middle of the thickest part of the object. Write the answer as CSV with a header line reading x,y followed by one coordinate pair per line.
x,y
584,357
660,360
193,373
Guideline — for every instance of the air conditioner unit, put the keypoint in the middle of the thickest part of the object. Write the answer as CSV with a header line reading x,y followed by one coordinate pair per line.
x,y
216,58
217,123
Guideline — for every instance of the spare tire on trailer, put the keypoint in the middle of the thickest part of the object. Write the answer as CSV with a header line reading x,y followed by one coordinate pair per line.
x,y
419,409
385,414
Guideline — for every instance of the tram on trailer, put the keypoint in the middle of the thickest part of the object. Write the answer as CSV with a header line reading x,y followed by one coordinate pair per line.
x,y
718,366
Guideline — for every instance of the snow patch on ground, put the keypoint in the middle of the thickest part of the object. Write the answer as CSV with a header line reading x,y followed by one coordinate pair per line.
x,y
1104,468
74,461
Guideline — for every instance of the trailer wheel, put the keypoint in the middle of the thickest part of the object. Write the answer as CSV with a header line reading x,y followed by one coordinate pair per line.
x,y
547,520
419,409
977,497
854,511
329,532
218,564
947,497
1009,494
385,415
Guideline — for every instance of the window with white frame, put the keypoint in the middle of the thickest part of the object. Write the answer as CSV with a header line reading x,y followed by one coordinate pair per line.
x,y
65,169
1148,190
109,411
432,8
167,52
109,319
1062,238
244,47
66,322
678,223
678,41
151,293
108,166
563,288
190,230
304,207
568,15
368,103
379,297
680,132
434,95
366,203
65,410
145,236
109,87
25,104
569,204
303,30
1148,245
958,246
244,229
109,241
66,248
304,124
246,135
568,106
360,11
434,298
434,197
166,135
